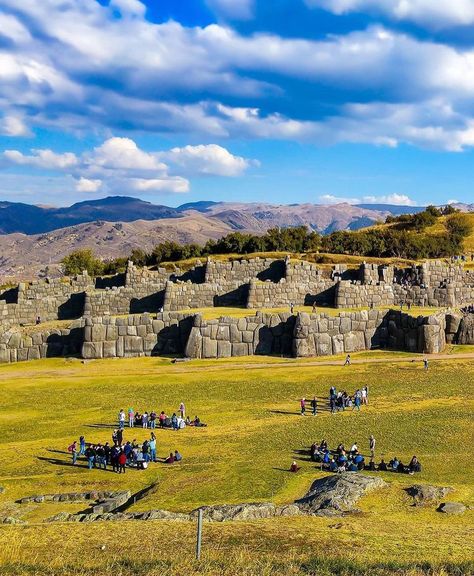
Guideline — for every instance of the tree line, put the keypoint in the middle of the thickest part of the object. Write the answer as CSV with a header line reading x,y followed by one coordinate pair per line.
x,y
404,237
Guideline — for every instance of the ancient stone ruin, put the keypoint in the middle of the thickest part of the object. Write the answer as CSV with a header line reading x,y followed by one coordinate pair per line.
x,y
143,312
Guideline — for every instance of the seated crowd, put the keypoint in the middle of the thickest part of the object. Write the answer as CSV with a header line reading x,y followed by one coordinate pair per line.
x,y
342,460
118,455
468,309
154,420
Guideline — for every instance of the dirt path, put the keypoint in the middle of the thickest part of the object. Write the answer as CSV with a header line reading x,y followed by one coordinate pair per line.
x,y
188,367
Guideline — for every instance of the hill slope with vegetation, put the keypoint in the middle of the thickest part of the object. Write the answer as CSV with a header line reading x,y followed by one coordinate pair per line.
x,y
433,233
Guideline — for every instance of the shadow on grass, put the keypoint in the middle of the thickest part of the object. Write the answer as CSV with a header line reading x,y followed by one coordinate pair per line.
x,y
78,464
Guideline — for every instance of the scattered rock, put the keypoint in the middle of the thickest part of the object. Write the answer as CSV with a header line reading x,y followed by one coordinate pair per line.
x,y
226,512
452,508
60,517
338,493
426,493
11,520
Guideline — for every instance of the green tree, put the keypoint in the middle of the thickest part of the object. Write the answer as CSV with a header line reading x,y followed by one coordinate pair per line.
x,y
459,225
80,260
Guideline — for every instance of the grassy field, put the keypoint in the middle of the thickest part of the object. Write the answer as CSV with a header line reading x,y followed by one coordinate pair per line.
x,y
254,431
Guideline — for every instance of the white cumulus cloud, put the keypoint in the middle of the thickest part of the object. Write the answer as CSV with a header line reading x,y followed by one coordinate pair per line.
x,y
210,159
46,159
118,164
394,199
87,185
432,13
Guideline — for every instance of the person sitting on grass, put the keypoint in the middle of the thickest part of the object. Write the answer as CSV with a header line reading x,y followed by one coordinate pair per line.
x,y
383,465
170,459
323,446
371,466
140,460
414,465
401,468
342,459
326,457
333,465
198,423
394,462
359,461
177,456
294,466
352,467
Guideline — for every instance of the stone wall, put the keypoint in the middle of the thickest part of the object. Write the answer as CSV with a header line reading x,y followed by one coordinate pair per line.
x,y
322,335
350,295
271,295
186,295
255,283
17,344
225,337
140,335
49,299
242,271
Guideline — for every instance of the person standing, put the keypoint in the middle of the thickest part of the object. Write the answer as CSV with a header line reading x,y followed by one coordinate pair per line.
x,y
145,420
425,364
131,417
372,446
363,395
303,406
121,419
82,446
100,455
90,456
121,461
73,449
152,446
314,406
356,401
348,360
182,410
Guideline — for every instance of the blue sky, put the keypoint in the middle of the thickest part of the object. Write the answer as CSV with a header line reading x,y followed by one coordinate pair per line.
x,y
285,101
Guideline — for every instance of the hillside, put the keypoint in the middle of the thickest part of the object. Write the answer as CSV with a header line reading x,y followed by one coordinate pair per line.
x,y
23,256
252,217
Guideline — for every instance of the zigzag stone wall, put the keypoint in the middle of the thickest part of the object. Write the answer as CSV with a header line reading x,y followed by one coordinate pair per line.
x,y
140,335
322,335
17,345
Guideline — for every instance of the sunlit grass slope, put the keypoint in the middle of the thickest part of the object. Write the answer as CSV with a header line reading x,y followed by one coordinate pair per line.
x,y
253,433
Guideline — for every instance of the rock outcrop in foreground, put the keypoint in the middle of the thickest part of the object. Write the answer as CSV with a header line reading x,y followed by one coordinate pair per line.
x,y
332,495
338,494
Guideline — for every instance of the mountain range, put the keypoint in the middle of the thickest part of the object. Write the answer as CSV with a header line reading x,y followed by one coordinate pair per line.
x,y
32,237
256,217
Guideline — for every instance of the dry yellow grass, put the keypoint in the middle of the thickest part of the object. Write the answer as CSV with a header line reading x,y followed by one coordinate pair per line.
x,y
242,456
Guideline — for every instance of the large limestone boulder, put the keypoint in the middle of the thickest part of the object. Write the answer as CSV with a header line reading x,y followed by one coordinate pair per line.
x,y
466,330
452,508
193,347
338,493
426,493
